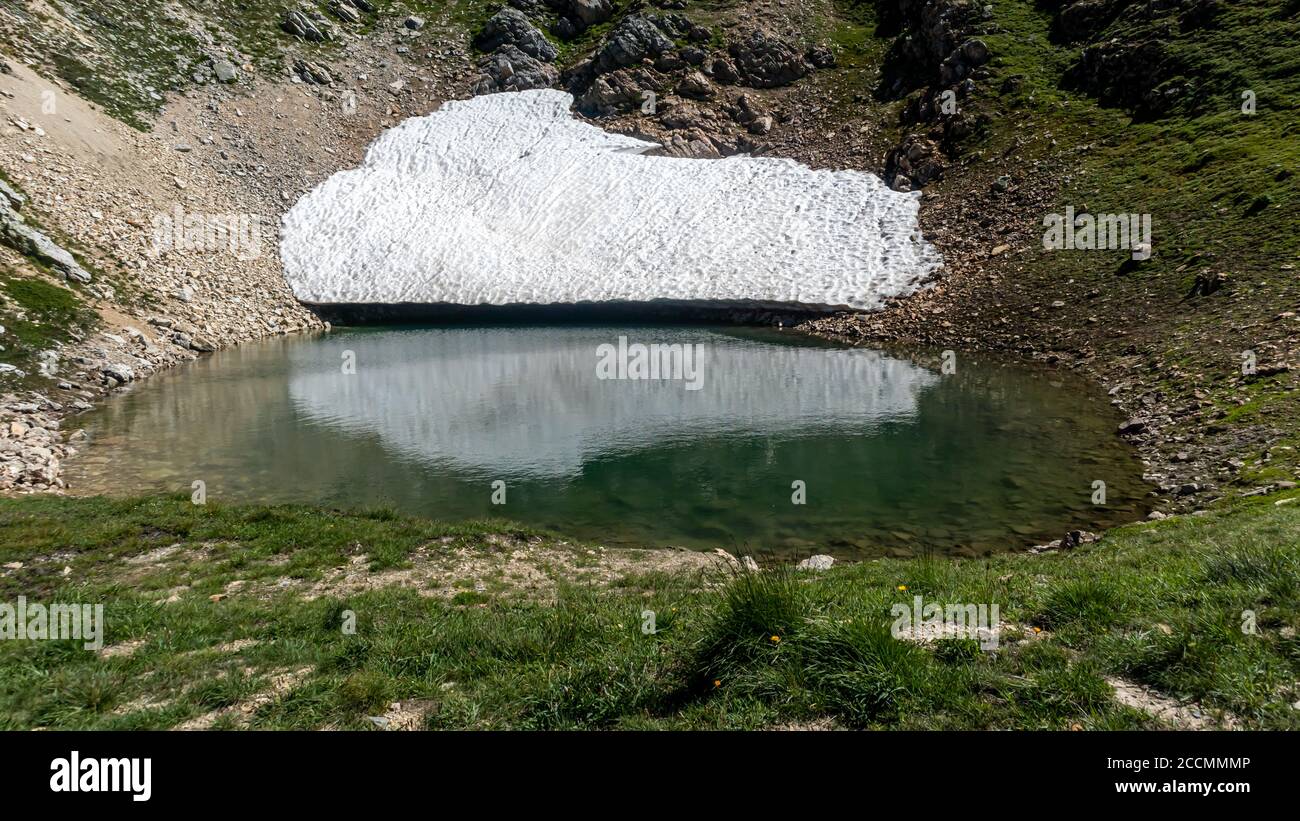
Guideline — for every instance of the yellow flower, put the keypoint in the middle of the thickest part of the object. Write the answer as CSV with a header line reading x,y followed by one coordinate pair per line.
x,y
717,682
776,638
902,587
1038,629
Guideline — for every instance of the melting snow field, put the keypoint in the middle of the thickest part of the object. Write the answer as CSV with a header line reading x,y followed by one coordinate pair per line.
x,y
507,199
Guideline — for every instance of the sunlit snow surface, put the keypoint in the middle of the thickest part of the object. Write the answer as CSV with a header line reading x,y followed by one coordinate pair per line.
x,y
507,199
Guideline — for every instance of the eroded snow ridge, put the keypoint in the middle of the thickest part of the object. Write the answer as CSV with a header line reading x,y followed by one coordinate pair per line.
x,y
506,198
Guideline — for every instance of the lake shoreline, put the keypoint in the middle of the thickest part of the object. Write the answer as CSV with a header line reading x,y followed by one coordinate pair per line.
x,y
761,407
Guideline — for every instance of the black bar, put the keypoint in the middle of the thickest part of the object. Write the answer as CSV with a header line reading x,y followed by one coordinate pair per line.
x,y
989,773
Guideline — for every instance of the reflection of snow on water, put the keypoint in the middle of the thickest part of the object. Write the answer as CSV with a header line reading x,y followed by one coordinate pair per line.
x,y
529,403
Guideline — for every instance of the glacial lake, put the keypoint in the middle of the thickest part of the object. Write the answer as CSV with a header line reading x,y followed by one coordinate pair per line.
x,y
888,454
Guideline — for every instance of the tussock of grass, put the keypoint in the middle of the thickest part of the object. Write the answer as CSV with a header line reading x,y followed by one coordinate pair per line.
x,y
1267,567
756,612
861,673
1087,602
365,691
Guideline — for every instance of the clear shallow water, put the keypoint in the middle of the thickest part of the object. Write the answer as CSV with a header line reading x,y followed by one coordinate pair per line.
x,y
895,456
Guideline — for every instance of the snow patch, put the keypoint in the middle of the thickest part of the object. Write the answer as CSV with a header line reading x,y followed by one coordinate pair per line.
x,y
507,199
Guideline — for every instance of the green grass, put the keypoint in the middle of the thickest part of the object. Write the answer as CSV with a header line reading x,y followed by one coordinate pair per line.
x,y
37,315
127,56
1161,604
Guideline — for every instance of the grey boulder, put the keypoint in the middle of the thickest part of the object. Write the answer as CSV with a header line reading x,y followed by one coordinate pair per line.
x,y
510,27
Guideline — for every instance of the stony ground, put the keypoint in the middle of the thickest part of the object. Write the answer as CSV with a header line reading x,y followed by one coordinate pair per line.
x,y
226,154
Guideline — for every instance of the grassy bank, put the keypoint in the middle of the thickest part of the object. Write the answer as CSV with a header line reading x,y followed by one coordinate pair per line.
x,y
235,617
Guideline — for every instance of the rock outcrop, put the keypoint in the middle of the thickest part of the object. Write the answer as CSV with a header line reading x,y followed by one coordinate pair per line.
x,y
763,60
631,41
22,237
937,48
1127,60
510,27
510,69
